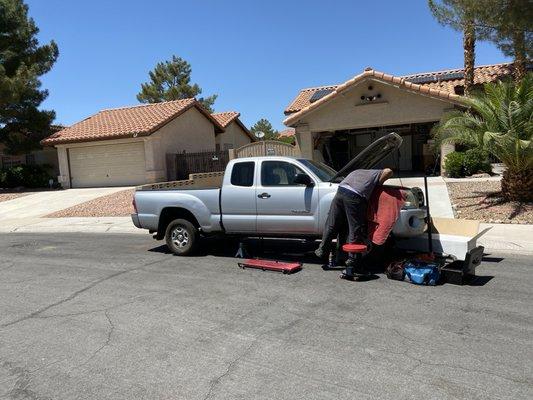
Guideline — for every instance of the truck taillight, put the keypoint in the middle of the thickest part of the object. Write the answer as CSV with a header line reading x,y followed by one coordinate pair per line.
x,y
134,205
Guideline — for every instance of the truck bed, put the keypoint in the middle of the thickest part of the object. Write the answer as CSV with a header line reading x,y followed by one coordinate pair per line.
x,y
206,180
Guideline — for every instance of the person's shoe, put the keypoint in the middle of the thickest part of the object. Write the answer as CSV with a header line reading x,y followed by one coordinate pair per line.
x,y
360,270
321,253
355,269
348,274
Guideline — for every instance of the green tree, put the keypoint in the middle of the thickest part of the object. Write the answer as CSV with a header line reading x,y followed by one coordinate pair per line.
x,y
22,62
511,24
171,80
287,139
264,125
500,122
463,16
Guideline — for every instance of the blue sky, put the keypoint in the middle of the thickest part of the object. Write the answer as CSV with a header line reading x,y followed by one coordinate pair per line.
x,y
254,55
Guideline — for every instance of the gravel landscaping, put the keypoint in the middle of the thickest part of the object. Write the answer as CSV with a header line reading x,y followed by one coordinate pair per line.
x,y
113,205
5,196
481,200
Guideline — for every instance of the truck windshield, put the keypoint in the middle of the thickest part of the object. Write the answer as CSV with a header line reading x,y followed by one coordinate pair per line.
x,y
322,171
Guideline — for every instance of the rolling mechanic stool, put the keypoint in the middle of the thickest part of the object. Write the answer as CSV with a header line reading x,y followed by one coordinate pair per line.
x,y
355,252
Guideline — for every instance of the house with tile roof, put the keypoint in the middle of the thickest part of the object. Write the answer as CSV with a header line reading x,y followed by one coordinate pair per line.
x,y
235,133
287,135
129,145
334,123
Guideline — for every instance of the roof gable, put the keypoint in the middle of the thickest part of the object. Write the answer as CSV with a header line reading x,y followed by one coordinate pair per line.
x,y
445,80
401,83
141,120
227,117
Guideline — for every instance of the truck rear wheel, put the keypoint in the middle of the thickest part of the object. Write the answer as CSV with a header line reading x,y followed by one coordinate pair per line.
x,y
181,237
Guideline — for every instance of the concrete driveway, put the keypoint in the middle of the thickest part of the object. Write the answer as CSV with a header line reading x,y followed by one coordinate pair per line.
x,y
40,204
115,317
27,211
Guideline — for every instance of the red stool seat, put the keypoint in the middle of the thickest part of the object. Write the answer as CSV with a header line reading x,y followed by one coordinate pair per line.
x,y
354,248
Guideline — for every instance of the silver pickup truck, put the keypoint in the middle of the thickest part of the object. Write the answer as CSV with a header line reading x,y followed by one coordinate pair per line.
x,y
264,196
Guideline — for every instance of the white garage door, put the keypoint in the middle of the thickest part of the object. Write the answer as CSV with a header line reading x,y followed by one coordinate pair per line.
x,y
107,165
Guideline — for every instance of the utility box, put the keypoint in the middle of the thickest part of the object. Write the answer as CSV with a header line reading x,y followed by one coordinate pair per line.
x,y
456,237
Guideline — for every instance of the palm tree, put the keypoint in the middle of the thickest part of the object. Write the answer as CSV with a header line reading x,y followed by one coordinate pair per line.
x,y
463,16
500,122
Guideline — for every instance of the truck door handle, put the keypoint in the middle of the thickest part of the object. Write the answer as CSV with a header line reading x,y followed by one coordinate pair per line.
x,y
263,195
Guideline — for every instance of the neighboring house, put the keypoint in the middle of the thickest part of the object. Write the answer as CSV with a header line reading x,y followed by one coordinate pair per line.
x,y
235,133
128,146
287,135
334,123
44,156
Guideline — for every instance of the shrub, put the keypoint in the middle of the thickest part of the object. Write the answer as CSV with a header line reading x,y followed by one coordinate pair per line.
x,y
3,178
31,176
475,161
454,164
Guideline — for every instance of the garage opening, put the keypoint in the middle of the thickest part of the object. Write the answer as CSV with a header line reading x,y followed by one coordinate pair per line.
x,y
107,165
339,147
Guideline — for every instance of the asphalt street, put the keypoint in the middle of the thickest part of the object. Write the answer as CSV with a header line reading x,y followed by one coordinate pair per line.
x,y
108,316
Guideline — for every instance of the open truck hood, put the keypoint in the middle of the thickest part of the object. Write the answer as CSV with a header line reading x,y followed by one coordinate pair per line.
x,y
372,154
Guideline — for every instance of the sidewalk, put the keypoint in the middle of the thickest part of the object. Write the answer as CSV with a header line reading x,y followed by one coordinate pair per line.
x,y
72,224
439,199
514,238
500,238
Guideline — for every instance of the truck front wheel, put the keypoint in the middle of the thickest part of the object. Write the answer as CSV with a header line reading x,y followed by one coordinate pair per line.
x,y
181,237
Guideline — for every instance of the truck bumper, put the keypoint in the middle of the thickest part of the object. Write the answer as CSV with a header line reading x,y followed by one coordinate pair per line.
x,y
135,219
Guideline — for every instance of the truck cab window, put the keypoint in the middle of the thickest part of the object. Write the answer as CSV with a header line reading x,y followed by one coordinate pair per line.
x,y
278,173
242,174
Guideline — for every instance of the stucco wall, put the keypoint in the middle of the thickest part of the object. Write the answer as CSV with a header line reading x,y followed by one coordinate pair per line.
x,y
396,106
190,132
233,137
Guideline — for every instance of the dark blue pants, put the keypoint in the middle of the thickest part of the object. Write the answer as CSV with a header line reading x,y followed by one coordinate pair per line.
x,y
348,211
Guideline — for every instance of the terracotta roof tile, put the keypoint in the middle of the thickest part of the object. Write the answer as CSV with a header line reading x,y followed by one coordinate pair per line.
x,y
482,74
303,98
287,132
225,118
126,122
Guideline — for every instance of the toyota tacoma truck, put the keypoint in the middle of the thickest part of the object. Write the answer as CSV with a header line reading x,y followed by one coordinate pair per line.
x,y
263,197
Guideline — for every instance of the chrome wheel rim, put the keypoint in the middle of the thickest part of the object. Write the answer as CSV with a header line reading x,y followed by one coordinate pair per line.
x,y
180,237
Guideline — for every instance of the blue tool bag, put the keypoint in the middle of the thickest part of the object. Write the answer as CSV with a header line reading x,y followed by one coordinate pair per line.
x,y
422,273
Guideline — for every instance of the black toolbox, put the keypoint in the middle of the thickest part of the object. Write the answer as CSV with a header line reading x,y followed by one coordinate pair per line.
x,y
463,272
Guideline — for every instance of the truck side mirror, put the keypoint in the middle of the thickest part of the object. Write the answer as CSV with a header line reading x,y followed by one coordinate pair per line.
x,y
303,179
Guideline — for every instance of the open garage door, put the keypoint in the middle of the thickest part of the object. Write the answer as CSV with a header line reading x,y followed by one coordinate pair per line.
x,y
107,165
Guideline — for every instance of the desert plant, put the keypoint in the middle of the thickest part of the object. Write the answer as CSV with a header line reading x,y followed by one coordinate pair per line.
x,y
476,161
454,164
500,121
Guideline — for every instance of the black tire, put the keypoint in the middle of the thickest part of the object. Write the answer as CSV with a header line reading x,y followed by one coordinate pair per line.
x,y
181,237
